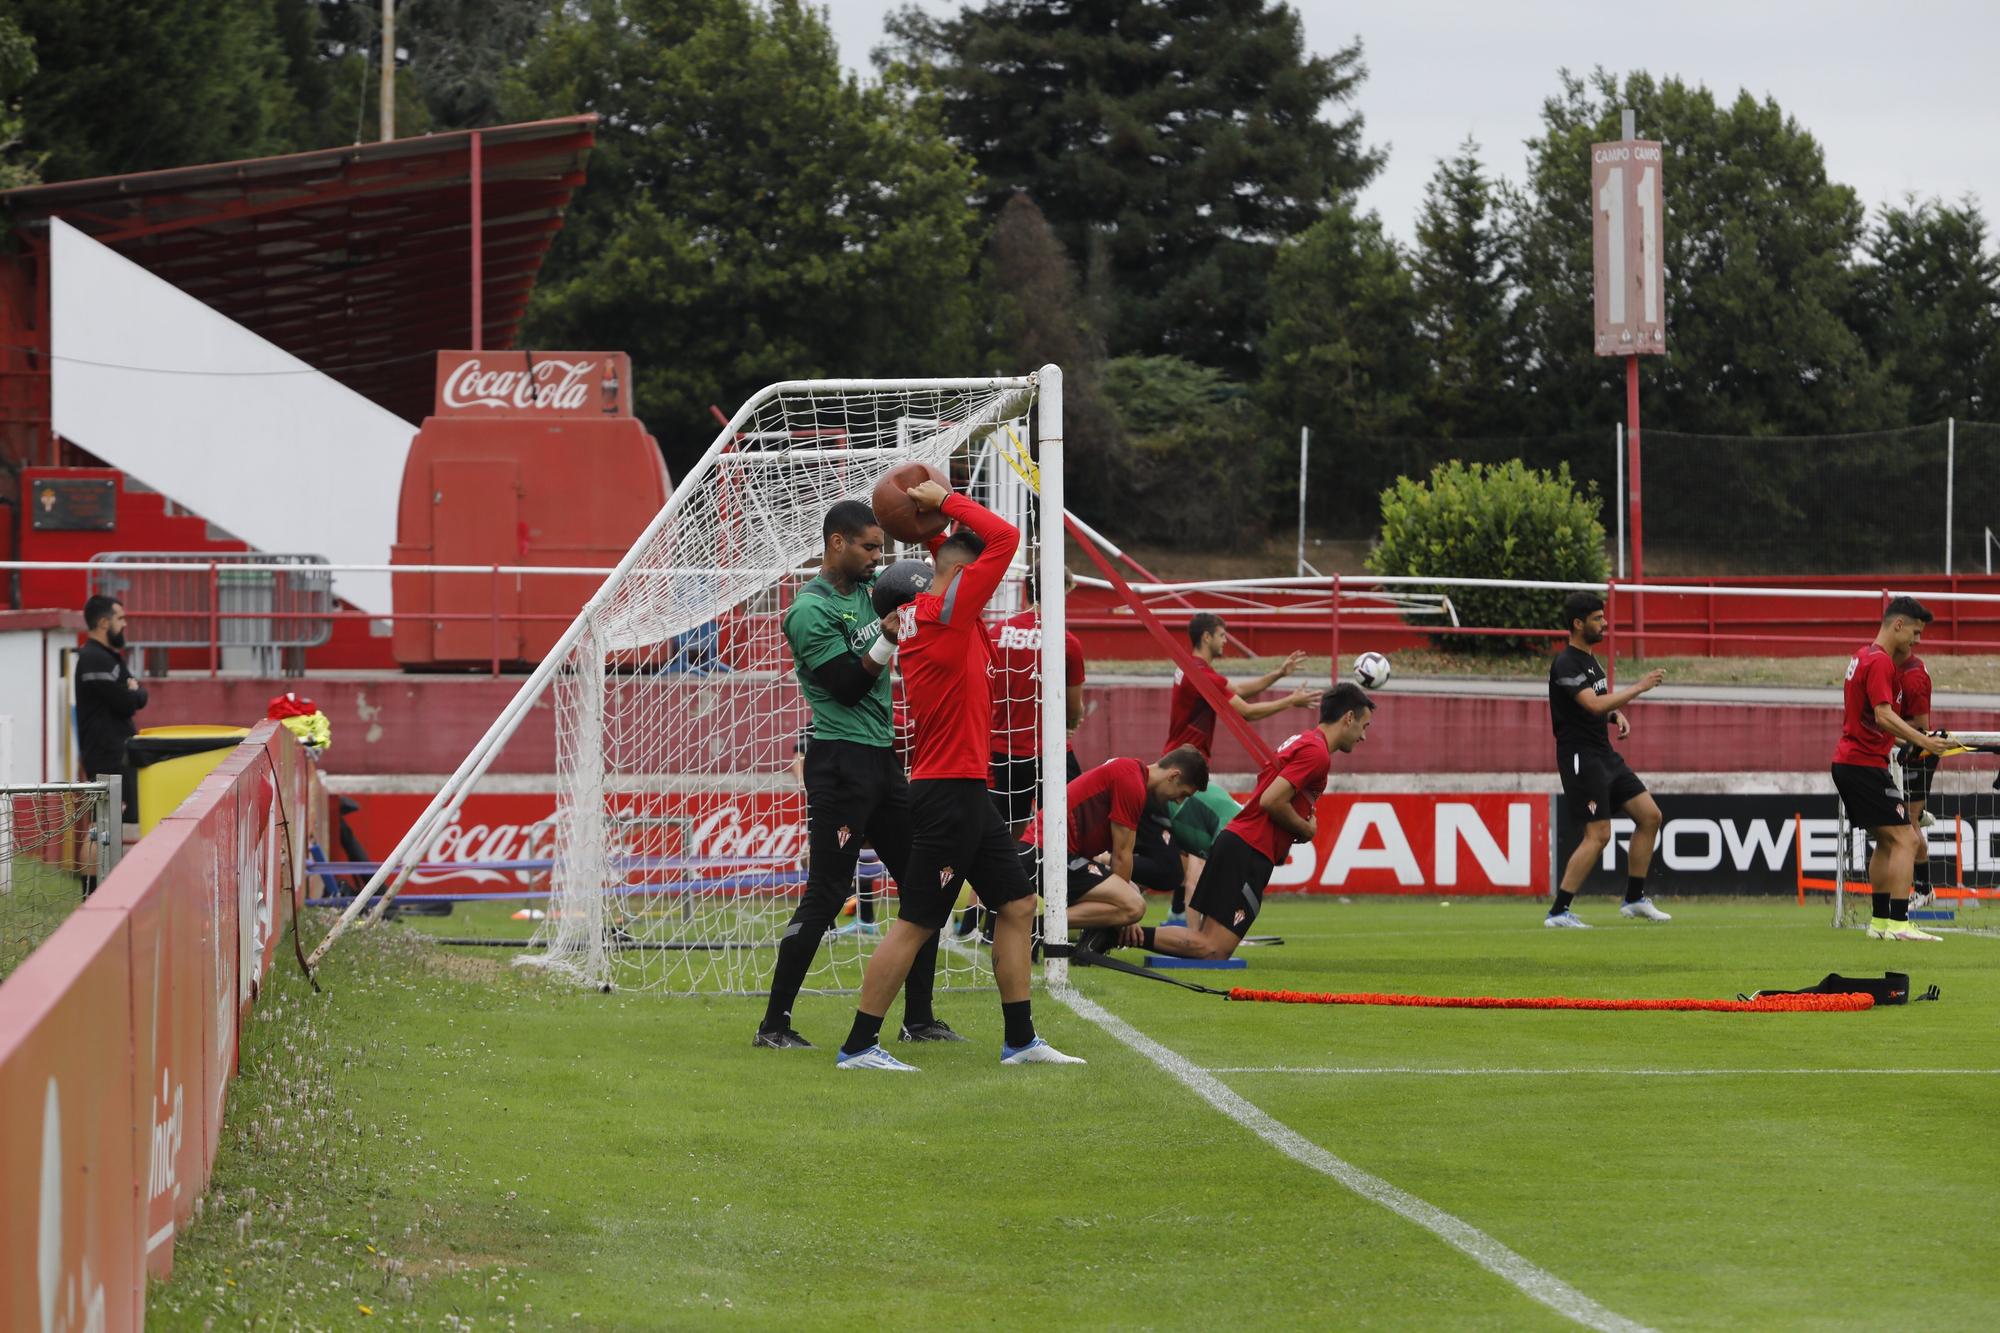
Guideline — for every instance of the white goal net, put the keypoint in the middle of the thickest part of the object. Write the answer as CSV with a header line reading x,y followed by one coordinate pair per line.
x,y
680,828
1960,860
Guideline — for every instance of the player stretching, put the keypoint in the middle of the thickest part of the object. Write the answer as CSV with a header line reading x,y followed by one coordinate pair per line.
x,y
956,833
1869,726
1107,807
1279,813
1594,776
1914,679
855,790
1191,721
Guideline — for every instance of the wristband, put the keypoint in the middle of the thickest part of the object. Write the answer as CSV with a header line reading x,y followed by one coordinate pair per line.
x,y
880,651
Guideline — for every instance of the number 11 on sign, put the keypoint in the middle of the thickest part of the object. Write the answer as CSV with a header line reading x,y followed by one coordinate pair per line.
x,y
1626,243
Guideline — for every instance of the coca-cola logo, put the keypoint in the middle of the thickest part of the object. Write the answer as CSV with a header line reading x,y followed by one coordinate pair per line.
x,y
731,833
471,844
552,385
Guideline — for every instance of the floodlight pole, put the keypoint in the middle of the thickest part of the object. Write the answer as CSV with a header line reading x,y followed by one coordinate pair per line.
x,y
388,107
1305,445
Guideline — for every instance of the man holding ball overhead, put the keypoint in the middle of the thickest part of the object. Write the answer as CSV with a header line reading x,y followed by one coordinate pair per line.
x,y
956,832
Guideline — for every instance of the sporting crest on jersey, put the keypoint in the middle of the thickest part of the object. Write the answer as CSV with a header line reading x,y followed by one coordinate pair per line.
x,y
944,876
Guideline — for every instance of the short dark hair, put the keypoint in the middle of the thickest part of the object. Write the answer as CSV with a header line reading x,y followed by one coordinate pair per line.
x,y
1033,582
1580,606
99,608
1342,699
849,518
969,543
1191,763
1907,607
1201,625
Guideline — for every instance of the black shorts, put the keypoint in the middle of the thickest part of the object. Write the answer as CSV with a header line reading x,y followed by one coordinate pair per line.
x,y
1232,883
1155,863
854,794
1016,782
1872,801
1084,873
1597,782
956,836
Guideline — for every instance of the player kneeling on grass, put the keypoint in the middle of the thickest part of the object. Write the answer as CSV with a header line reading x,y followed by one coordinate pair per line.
x,y
1594,776
1869,727
1107,807
1279,813
956,832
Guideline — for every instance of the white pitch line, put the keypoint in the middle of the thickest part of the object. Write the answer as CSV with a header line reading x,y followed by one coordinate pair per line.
x,y
1346,1070
1536,1283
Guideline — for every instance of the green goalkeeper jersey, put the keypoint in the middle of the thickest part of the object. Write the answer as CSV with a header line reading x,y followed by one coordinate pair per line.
x,y
821,624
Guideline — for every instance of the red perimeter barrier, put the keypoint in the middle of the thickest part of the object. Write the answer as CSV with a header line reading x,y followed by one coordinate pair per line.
x,y
118,1040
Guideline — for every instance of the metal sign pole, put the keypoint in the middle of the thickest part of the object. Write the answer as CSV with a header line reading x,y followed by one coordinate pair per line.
x,y
1305,444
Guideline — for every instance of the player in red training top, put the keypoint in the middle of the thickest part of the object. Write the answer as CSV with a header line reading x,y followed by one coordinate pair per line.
x,y
1279,813
1869,727
1106,806
1191,718
1914,682
1017,706
956,834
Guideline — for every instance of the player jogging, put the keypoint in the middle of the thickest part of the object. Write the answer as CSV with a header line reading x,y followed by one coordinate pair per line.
x,y
1869,727
1107,808
1279,813
855,789
1919,768
1191,721
1594,776
956,833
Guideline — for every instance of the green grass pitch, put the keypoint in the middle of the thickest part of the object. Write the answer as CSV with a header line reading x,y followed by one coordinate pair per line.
x,y
442,1141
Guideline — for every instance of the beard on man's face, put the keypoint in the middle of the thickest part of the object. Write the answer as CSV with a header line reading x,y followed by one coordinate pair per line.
x,y
115,637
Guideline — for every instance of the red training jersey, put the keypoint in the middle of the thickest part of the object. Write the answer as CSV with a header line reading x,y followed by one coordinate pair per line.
x,y
1871,680
1302,761
942,644
1915,679
1017,668
1190,718
1112,793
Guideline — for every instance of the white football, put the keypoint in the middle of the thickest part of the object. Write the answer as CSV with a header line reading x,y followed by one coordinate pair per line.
x,y
1372,670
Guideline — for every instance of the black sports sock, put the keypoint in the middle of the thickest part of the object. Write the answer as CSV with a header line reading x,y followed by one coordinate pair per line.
x,y
1635,888
864,907
1146,937
1563,899
922,982
1881,906
1180,901
1899,909
1020,1027
795,959
866,1032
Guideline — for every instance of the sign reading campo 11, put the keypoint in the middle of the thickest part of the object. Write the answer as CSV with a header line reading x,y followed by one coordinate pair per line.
x,y
1627,204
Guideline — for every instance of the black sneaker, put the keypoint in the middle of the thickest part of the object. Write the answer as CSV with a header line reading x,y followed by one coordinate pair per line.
x,y
1098,939
780,1039
935,1030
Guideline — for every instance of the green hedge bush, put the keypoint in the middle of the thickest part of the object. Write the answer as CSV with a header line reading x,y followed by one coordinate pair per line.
x,y
1492,521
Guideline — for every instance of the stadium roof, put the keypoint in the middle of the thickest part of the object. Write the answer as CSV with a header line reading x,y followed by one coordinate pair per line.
x,y
357,260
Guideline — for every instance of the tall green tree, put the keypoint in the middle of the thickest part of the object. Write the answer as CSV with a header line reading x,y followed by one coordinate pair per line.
x,y
1927,306
1341,355
127,87
453,60
1039,316
1759,245
752,213
1173,144
17,66
1461,269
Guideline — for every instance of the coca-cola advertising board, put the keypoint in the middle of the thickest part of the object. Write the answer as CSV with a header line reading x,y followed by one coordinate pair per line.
x,y
533,384
1463,844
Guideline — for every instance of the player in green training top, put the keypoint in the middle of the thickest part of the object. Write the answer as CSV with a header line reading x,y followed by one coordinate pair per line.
x,y
855,788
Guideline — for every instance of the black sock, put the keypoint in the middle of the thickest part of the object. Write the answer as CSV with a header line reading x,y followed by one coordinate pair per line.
x,y
1899,909
922,981
1020,1027
795,959
1563,899
1180,901
864,908
1881,907
1635,888
1146,937
866,1032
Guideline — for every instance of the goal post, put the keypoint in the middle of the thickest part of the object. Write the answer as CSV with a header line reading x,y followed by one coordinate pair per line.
x,y
679,827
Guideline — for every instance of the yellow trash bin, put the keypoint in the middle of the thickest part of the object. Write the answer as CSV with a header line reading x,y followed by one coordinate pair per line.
x,y
172,761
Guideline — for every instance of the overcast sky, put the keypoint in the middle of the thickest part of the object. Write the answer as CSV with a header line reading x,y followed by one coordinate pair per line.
x,y
1902,97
